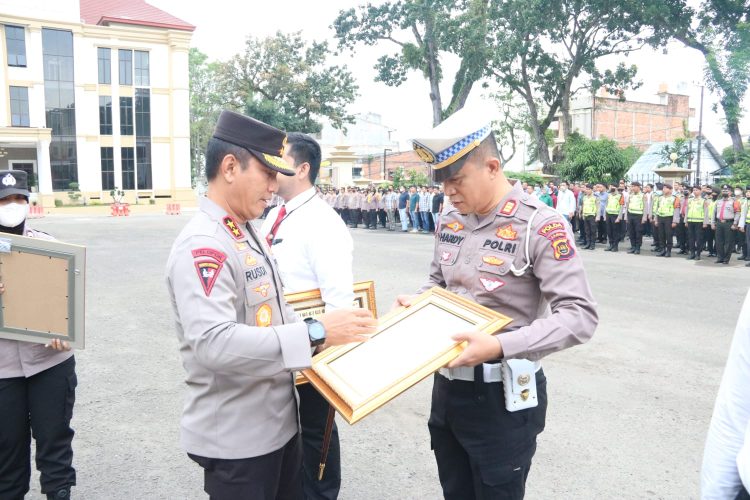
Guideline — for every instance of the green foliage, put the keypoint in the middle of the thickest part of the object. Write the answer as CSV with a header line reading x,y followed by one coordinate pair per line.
x,y
398,176
527,177
117,195
417,178
58,203
74,193
739,164
284,81
205,105
632,154
681,147
592,160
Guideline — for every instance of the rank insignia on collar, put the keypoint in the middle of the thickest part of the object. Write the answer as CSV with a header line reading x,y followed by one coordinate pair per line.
x,y
250,260
241,246
491,284
445,256
507,233
492,260
233,228
455,226
508,208
208,264
263,316
262,289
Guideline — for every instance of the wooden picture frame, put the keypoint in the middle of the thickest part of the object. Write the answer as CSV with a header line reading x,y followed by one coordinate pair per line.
x,y
44,290
409,345
309,304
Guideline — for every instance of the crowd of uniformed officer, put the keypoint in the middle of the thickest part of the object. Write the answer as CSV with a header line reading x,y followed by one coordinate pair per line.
x,y
692,220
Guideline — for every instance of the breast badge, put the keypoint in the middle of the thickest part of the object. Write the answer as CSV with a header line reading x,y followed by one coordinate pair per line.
x,y
263,316
492,260
507,233
491,284
455,226
445,256
262,289
250,260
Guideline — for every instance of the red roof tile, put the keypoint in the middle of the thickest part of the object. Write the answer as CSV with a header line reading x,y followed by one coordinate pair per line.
x,y
137,12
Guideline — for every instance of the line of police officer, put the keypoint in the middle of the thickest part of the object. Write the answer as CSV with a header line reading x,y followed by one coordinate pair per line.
x,y
701,219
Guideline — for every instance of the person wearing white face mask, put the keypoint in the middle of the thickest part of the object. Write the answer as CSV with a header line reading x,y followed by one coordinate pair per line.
x,y
37,384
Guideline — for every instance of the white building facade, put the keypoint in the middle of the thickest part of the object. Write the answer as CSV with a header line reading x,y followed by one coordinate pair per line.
x,y
95,94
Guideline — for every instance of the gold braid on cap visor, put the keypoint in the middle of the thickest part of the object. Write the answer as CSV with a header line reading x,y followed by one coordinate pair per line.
x,y
278,163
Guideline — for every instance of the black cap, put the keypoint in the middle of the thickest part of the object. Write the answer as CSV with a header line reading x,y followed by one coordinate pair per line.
x,y
726,186
635,183
14,182
265,142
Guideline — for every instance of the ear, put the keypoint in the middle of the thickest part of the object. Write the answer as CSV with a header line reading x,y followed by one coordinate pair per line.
x,y
303,170
493,166
229,168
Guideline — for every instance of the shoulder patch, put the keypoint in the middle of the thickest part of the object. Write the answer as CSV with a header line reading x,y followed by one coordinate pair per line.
x,y
234,229
208,264
508,208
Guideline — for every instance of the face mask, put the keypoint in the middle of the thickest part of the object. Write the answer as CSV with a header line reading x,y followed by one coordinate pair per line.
x,y
13,214
725,195
738,193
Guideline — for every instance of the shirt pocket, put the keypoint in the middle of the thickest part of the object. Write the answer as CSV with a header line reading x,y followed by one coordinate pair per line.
x,y
494,263
447,255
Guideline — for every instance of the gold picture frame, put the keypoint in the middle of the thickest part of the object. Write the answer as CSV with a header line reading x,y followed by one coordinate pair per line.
x,y
409,345
309,304
44,290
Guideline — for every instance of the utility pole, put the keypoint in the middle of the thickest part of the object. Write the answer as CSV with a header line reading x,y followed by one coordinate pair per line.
x,y
385,172
700,138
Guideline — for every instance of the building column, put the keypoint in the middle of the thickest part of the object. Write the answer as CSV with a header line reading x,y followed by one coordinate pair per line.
x,y
44,170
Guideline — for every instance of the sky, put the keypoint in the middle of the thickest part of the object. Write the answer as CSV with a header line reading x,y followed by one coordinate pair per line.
x,y
223,25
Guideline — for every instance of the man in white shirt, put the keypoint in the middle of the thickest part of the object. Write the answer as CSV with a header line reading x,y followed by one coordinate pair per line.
x,y
725,474
566,202
314,251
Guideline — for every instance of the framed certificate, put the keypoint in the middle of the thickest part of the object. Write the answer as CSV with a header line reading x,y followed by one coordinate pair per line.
x,y
409,345
309,304
44,290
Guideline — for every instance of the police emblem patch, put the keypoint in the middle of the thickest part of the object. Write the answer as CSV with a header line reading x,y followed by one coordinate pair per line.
x,y
507,233
492,260
9,180
425,155
208,266
263,316
233,228
491,284
561,246
262,289
455,226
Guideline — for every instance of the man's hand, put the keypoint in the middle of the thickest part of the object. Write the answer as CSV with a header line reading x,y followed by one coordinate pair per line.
x,y
58,345
344,326
480,348
674,225
734,227
402,301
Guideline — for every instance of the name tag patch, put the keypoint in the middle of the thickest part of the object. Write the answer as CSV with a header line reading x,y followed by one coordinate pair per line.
x,y
501,246
451,239
255,273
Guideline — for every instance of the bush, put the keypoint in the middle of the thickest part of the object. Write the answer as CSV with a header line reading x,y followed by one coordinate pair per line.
x,y
593,160
58,203
527,177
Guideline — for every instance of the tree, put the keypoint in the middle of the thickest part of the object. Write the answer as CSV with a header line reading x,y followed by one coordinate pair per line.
x,y
286,83
423,30
205,106
592,160
542,48
720,30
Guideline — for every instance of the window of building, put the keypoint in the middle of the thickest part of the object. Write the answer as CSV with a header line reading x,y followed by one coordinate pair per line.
x,y
105,115
19,107
143,161
143,113
15,42
141,68
125,58
128,167
108,169
60,106
105,65
126,116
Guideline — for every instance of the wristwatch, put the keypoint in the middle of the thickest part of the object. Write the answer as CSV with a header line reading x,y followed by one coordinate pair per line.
x,y
315,331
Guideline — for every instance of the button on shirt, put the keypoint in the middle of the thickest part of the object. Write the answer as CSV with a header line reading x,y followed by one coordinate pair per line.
x,y
726,458
314,250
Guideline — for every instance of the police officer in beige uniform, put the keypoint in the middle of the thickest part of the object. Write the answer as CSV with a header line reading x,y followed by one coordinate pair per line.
x,y
239,340
510,252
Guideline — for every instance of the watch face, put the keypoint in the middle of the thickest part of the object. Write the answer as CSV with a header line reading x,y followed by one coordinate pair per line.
x,y
316,331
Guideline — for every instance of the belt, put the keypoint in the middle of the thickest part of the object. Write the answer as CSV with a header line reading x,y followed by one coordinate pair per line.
x,y
726,220
492,372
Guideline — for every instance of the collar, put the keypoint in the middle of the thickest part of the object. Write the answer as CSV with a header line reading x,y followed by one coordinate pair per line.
x,y
235,230
301,198
509,204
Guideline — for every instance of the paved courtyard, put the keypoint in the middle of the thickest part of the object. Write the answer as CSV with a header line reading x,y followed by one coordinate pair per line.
x,y
627,416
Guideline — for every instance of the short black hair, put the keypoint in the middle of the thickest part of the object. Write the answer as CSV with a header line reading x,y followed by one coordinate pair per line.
x,y
217,149
305,149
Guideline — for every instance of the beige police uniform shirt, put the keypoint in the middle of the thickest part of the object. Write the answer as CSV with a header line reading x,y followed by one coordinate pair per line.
x,y
239,340
25,359
550,303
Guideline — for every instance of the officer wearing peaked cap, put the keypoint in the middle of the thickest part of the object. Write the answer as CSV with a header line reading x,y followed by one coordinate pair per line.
x,y
509,252
239,340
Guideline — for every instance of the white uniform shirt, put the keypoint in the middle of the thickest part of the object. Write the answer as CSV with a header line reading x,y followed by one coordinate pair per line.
x,y
726,459
314,249
566,202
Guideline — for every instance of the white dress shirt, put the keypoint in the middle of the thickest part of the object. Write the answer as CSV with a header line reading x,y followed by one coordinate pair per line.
x,y
726,459
314,249
566,202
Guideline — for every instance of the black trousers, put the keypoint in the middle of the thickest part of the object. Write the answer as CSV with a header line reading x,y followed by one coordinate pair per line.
x,y
274,476
589,225
581,227
681,234
313,413
601,226
742,495
708,237
647,228
695,237
354,216
665,232
613,229
382,217
345,215
635,229
724,240
42,406
482,450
